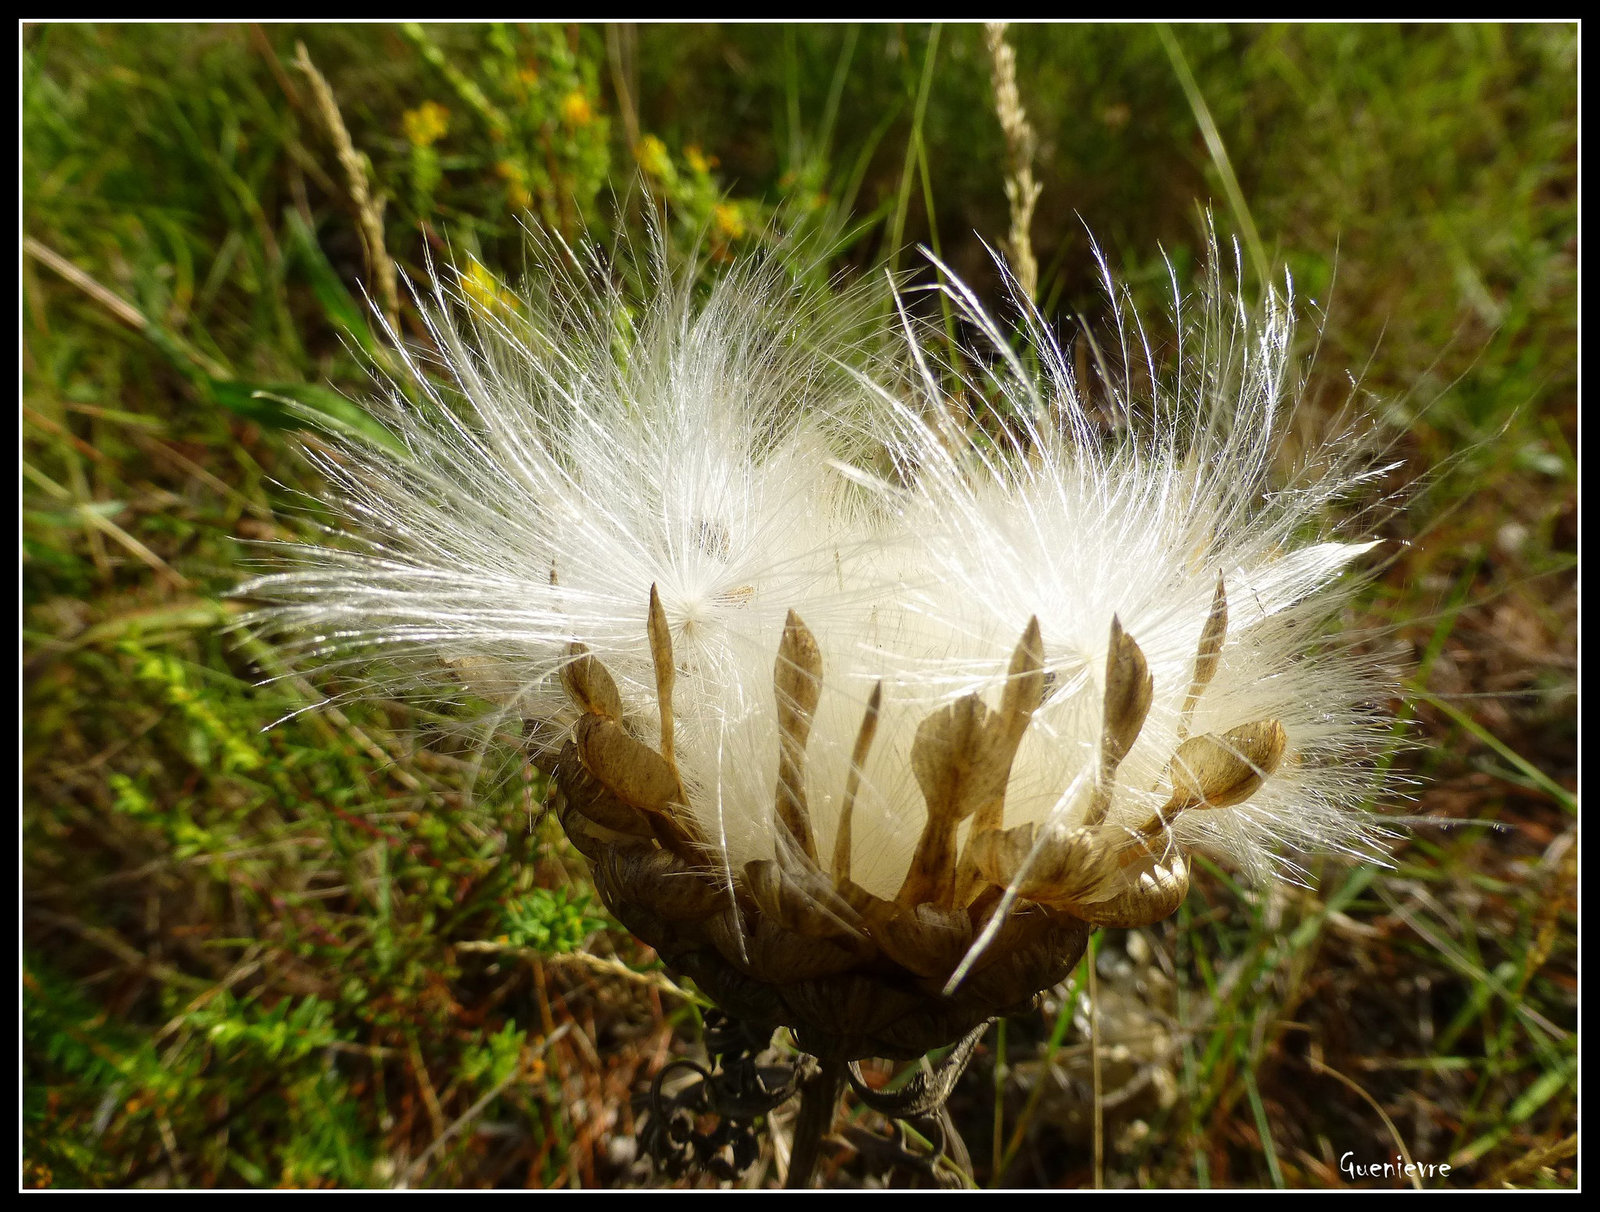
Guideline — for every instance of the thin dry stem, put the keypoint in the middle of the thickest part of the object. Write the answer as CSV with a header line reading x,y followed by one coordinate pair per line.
x,y
1022,191
369,208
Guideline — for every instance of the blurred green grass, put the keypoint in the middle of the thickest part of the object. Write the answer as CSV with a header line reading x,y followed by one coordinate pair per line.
x,y
314,956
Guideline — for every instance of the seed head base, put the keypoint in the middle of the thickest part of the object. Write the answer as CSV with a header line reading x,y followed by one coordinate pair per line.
x,y
978,928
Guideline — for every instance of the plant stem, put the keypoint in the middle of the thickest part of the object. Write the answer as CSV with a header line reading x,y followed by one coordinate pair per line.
x,y
819,1098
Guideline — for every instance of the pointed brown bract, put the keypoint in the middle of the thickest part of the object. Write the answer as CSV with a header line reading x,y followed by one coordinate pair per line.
x,y
1024,686
1155,889
1129,688
922,938
675,891
1205,659
797,683
666,673
1060,868
801,899
1023,694
969,934
589,685
1217,772
962,759
633,772
842,839
957,770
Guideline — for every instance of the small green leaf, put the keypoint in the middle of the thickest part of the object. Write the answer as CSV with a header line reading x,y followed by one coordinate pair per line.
x,y
340,306
296,405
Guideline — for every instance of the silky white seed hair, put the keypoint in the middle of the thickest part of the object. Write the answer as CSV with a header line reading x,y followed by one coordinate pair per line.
x,y
758,446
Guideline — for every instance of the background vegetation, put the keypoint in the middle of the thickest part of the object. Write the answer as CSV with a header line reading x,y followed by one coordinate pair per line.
x,y
314,955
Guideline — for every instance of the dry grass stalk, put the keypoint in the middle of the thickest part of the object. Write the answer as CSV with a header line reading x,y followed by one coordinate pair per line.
x,y
368,207
1022,190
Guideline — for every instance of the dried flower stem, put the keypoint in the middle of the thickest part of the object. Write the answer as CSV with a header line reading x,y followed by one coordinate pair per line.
x,y
819,1102
1022,191
369,209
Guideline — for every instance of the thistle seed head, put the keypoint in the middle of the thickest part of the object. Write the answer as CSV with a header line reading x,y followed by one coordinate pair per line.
x,y
866,712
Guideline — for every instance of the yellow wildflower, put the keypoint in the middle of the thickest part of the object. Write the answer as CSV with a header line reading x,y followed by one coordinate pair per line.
x,y
651,153
729,220
426,124
697,159
485,293
575,109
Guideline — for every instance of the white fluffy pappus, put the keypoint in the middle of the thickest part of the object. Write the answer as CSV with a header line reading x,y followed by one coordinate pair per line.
x,y
1143,496
754,449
